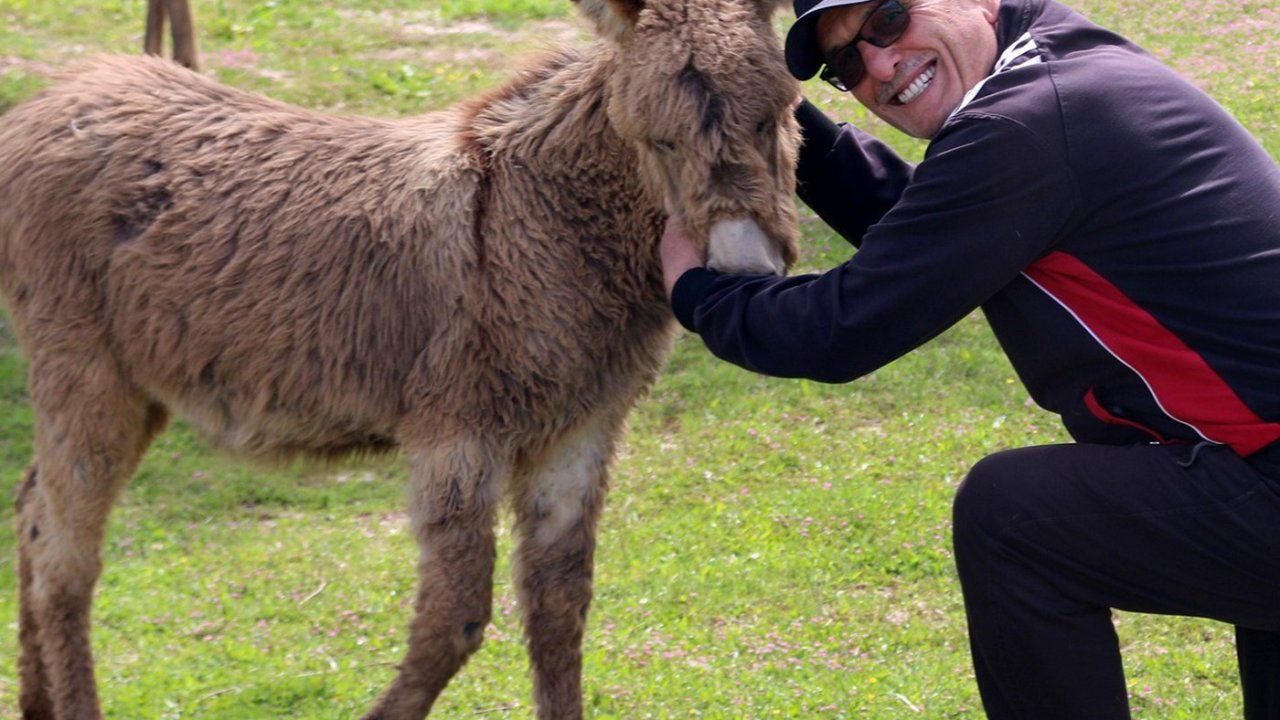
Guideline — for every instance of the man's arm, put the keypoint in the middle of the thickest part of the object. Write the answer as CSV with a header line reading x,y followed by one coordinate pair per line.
x,y
969,224
849,178
845,175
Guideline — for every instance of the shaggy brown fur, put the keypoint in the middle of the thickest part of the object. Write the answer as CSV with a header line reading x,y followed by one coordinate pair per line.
x,y
478,286
181,27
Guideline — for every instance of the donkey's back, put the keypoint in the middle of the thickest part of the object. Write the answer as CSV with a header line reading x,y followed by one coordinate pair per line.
x,y
246,262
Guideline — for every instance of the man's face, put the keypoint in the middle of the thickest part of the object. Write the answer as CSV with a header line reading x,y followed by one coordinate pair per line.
x,y
915,83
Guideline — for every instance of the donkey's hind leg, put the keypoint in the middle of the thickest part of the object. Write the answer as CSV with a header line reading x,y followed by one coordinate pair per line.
x,y
34,695
453,494
183,32
92,427
153,38
556,514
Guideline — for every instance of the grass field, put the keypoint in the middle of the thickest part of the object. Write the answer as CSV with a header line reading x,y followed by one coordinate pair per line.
x,y
770,548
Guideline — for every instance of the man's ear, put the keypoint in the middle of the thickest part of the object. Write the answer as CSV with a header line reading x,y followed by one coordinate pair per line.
x,y
990,10
613,19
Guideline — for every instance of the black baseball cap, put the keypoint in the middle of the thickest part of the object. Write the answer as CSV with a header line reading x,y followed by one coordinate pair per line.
x,y
804,57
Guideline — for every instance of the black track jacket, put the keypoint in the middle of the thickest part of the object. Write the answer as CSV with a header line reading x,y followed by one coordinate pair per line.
x,y
1119,229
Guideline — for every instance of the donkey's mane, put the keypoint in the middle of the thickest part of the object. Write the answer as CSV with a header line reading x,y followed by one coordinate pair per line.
x,y
555,103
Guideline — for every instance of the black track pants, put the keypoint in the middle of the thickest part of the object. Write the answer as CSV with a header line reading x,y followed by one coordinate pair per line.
x,y
1049,539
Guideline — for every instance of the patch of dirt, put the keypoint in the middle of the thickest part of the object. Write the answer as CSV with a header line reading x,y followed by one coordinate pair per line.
x,y
428,40
465,27
10,63
438,56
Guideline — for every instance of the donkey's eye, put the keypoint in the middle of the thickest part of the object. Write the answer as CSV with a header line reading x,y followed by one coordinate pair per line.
x,y
766,127
666,147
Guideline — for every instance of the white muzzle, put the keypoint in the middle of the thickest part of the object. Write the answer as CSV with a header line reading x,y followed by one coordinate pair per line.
x,y
738,246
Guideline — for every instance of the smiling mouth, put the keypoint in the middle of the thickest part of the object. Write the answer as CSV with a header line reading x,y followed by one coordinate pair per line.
x,y
917,86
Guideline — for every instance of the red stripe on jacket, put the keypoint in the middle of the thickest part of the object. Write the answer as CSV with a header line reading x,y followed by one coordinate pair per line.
x,y
1183,384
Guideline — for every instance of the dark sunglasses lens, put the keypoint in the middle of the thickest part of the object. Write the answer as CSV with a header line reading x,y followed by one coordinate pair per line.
x,y
886,24
845,69
850,69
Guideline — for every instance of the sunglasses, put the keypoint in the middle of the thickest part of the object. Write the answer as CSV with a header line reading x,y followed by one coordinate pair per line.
x,y
882,28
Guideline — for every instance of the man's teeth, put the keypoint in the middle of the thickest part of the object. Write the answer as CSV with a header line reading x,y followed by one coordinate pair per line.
x,y
918,85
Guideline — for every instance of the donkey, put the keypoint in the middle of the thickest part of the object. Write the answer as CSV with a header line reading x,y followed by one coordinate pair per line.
x,y
479,287
180,26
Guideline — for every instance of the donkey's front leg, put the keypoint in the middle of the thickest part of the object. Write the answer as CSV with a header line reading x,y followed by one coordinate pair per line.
x,y
556,515
452,499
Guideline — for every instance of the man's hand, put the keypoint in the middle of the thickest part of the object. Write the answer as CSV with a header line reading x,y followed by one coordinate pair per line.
x,y
678,252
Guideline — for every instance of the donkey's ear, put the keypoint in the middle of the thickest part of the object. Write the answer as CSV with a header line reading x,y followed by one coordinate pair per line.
x,y
613,19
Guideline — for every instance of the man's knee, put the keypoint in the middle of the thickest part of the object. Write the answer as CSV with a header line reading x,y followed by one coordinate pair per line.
x,y
993,521
985,502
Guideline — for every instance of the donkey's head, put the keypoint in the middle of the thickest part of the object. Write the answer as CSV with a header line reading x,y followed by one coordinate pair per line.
x,y
701,89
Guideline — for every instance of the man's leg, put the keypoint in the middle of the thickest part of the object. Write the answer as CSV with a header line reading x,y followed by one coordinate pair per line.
x,y
1259,655
1049,539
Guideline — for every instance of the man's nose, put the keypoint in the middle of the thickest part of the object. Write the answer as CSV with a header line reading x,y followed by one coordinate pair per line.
x,y
881,63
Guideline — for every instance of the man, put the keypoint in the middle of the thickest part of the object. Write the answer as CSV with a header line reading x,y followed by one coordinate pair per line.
x,y
1121,233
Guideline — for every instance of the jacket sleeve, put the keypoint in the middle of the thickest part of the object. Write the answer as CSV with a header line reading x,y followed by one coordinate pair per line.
x,y
966,226
846,176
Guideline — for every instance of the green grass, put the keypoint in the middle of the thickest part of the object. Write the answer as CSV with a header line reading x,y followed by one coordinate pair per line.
x,y
770,548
